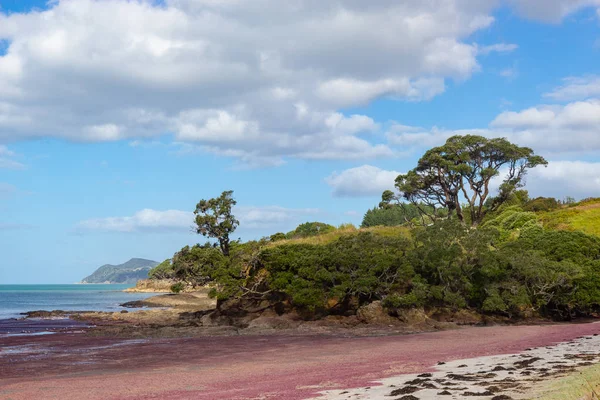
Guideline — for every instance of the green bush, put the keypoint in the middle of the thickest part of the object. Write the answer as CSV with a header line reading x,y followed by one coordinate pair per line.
x,y
277,237
542,204
177,287
309,229
363,266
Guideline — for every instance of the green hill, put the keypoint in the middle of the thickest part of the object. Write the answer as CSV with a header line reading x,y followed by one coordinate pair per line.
x,y
129,272
583,217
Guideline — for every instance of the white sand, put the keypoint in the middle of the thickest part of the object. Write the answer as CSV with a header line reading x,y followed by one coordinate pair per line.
x,y
512,375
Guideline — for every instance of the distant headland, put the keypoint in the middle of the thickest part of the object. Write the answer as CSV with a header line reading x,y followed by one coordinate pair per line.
x,y
126,273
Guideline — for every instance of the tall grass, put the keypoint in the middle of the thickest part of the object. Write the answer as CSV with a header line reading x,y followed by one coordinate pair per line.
x,y
582,385
584,217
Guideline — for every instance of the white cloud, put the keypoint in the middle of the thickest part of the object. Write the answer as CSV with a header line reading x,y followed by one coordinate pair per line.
x,y
272,217
257,80
7,159
498,48
227,76
573,128
552,11
366,180
577,88
148,220
350,92
578,179
577,176
532,117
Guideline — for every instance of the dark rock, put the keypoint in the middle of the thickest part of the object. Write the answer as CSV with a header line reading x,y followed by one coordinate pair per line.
x,y
405,390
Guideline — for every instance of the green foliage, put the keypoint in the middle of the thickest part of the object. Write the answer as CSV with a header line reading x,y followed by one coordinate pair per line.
x,y
197,264
363,266
463,169
542,204
215,220
512,263
164,270
177,287
309,229
390,215
277,237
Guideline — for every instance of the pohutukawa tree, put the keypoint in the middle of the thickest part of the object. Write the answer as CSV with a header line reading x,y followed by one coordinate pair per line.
x,y
457,176
215,220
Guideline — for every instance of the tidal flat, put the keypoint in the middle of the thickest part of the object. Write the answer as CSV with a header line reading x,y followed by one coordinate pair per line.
x,y
285,365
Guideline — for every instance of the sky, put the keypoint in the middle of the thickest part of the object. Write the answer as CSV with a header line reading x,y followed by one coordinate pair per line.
x,y
118,116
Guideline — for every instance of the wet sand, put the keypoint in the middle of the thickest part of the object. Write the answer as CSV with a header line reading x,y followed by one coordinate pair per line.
x,y
76,366
38,326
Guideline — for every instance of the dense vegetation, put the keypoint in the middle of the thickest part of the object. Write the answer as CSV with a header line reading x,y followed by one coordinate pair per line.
x,y
520,258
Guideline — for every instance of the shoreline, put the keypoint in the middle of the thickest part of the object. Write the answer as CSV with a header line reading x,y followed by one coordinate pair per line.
x,y
283,366
496,377
173,341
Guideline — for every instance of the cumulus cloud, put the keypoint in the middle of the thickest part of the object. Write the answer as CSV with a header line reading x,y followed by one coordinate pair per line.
x,y
573,128
578,179
576,88
256,80
155,221
202,70
366,180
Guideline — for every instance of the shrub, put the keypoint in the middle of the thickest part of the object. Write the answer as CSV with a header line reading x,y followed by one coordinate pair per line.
x,y
362,266
309,229
177,287
277,237
542,204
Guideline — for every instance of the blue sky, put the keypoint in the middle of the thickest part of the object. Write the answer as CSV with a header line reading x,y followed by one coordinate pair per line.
x,y
117,116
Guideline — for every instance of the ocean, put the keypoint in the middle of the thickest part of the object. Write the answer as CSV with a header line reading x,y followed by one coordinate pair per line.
x,y
17,299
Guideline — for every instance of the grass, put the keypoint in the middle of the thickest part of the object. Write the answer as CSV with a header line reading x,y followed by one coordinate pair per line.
x,y
345,230
584,217
581,385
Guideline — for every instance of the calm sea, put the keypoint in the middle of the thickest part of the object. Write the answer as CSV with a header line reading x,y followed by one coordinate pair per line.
x,y
16,299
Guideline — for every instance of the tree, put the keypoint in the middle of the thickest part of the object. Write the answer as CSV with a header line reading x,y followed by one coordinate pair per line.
x,y
461,171
309,229
390,215
215,220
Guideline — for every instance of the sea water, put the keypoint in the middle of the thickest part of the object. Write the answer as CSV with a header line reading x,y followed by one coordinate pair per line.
x,y
17,299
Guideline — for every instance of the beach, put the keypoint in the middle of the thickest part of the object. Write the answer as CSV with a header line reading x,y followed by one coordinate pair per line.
x,y
280,365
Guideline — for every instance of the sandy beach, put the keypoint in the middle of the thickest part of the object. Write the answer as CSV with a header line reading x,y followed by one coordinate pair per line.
x,y
281,366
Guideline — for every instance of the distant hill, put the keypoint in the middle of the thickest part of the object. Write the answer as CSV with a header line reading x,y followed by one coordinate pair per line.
x,y
129,272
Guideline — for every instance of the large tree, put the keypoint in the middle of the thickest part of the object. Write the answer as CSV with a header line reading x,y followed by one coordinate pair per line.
x,y
215,220
460,172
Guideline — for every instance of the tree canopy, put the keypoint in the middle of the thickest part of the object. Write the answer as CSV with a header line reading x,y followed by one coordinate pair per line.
x,y
214,219
461,171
